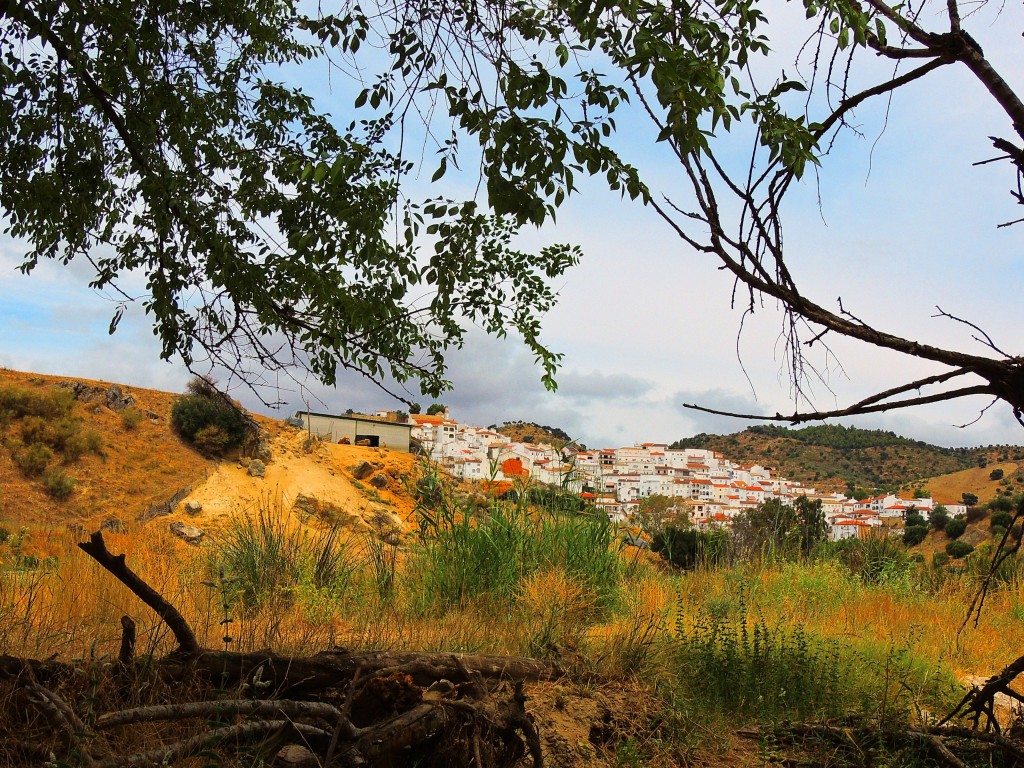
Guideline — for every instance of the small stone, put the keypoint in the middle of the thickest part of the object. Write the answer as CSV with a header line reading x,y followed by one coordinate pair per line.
x,y
245,461
362,470
296,754
264,454
193,507
257,468
188,533
379,481
294,421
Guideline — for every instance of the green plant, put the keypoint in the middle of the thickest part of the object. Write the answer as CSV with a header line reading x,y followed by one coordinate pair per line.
x,y
268,558
956,527
1002,519
958,549
461,555
32,459
58,484
131,418
745,668
209,419
689,548
914,534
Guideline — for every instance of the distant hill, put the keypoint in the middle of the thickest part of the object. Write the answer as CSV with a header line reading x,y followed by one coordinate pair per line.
x,y
528,432
833,457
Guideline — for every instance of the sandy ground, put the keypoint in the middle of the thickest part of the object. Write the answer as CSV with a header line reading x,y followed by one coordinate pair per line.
x,y
324,472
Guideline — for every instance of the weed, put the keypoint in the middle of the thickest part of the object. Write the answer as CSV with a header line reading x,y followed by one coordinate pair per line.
x,y
131,418
59,485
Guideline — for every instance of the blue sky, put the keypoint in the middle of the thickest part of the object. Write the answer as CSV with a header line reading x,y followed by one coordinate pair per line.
x,y
905,224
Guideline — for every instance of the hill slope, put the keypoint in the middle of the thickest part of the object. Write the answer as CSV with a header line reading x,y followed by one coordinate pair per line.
x,y
833,457
144,465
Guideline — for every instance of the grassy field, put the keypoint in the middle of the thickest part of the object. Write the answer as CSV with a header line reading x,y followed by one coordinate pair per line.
x,y
875,634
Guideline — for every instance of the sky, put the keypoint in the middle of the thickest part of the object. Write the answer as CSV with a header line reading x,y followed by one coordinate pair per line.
x,y
897,222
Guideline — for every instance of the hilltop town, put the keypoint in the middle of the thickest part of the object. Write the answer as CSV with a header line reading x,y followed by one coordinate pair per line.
x,y
712,489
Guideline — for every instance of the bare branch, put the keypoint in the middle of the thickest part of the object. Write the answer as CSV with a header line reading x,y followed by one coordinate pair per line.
x,y
854,410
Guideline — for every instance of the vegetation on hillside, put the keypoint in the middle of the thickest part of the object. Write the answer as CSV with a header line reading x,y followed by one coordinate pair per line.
x,y
530,432
846,458
209,419
43,433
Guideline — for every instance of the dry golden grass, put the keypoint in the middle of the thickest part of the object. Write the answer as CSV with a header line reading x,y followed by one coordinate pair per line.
x,y
976,480
139,467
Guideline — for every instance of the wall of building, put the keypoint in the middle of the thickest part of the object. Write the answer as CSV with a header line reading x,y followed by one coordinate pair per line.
x,y
334,428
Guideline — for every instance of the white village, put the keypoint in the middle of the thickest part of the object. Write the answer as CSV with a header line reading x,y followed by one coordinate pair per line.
x,y
707,486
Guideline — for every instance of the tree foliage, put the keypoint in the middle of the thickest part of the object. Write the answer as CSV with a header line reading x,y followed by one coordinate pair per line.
x,y
158,139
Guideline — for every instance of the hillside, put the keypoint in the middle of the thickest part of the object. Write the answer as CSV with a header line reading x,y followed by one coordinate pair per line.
x,y
835,457
529,432
139,464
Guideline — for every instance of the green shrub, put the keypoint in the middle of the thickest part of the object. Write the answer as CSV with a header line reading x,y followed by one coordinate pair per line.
x,y
131,418
267,559
32,459
958,549
1002,519
938,518
205,408
940,559
760,671
956,527
914,534
211,440
461,557
80,443
58,485
689,548
995,474
914,518
5,534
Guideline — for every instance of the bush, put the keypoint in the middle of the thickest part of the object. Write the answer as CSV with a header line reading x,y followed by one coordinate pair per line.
x,y
58,484
205,408
1002,519
914,534
131,418
938,518
995,474
211,440
267,558
940,559
956,527
32,459
914,518
689,548
958,549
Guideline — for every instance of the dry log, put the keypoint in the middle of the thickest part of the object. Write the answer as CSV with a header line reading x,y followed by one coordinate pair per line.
x,y
221,707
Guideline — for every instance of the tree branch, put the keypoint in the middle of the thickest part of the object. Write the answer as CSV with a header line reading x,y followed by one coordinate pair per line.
x,y
853,410
96,548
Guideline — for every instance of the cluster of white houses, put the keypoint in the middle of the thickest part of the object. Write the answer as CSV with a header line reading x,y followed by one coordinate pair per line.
x,y
712,489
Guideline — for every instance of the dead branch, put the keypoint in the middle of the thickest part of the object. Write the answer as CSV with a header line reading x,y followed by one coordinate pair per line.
x,y
933,738
396,698
220,708
62,717
239,734
96,548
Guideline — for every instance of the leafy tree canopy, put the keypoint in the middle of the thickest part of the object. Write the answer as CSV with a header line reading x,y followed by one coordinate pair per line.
x,y
157,137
